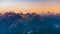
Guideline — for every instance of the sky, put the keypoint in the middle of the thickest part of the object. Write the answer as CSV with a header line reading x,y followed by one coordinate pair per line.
x,y
38,6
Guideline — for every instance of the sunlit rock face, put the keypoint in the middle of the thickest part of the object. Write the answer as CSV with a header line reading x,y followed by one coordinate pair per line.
x,y
19,23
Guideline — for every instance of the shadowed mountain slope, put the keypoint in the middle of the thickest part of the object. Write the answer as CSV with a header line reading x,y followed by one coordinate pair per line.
x,y
16,23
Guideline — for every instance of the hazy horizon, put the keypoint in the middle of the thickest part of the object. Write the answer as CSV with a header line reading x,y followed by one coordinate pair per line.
x,y
30,5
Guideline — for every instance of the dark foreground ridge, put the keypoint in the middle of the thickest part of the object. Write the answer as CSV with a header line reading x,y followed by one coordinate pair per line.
x,y
18,23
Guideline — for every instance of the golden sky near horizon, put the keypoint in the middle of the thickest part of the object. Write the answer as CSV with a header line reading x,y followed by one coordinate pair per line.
x,y
30,6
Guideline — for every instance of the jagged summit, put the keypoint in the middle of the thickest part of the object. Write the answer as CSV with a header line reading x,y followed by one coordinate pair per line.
x,y
29,23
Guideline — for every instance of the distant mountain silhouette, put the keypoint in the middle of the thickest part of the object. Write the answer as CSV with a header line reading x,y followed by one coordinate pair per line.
x,y
19,23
